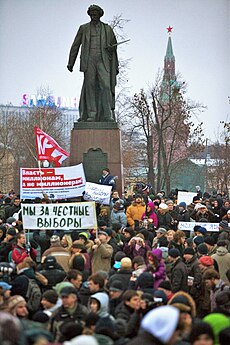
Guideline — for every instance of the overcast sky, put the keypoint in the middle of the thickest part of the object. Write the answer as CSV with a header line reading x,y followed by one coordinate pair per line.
x,y
36,36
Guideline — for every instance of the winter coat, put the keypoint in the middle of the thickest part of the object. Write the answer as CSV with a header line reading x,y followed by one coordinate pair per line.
x,y
222,257
118,216
62,315
123,276
194,271
135,212
146,339
179,276
151,215
132,251
101,258
164,221
159,272
20,253
61,254
54,276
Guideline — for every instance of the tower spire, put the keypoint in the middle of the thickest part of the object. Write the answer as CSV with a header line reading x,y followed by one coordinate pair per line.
x,y
169,60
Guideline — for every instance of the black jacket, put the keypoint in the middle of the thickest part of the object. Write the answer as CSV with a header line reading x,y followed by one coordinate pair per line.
x,y
179,276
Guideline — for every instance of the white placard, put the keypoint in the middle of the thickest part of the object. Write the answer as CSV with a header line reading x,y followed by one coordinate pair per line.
x,y
73,216
57,183
187,197
98,193
189,226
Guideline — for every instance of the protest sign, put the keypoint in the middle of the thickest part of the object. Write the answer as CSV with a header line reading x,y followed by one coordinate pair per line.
x,y
186,197
98,193
66,216
57,183
188,226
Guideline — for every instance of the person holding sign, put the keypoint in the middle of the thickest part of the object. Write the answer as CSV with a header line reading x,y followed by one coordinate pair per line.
x,y
101,253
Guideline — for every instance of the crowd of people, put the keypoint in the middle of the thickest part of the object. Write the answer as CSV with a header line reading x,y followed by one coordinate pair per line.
x,y
136,278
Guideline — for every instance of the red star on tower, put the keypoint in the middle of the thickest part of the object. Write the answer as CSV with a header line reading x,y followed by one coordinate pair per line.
x,y
169,29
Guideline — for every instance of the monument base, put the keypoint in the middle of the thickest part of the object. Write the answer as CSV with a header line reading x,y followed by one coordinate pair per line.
x,y
97,145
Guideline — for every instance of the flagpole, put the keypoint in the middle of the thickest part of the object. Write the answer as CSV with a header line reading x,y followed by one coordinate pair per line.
x,y
40,172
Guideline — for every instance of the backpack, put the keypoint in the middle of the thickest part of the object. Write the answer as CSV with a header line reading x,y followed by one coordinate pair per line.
x,y
10,255
33,295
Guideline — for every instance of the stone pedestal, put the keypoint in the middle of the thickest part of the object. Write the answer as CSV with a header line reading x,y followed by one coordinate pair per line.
x,y
97,145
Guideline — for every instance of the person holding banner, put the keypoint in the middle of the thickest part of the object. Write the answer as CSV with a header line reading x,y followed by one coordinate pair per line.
x,y
101,253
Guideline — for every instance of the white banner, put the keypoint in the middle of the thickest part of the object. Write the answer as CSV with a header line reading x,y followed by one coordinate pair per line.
x,y
57,183
66,216
189,226
98,192
187,197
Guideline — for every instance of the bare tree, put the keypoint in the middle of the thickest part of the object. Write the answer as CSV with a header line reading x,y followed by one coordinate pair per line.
x,y
164,118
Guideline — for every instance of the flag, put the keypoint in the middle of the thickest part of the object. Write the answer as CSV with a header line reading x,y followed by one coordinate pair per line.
x,y
48,149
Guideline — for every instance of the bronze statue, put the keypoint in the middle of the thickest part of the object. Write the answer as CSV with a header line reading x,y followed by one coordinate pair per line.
x,y
99,63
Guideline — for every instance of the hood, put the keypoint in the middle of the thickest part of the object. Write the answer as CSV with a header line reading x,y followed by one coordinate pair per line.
x,y
103,299
221,251
152,206
158,253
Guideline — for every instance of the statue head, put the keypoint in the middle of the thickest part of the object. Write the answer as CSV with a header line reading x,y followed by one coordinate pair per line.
x,y
95,8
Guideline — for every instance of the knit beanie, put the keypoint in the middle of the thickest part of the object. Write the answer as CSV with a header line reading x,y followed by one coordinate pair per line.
x,y
200,328
174,252
209,240
202,230
165,284
198,240
189,251
182,204
206,260
202,249
14,301
218,322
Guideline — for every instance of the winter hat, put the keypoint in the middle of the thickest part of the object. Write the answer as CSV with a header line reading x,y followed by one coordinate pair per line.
x,y
13,301
163,206
206,260
78,245
145,280
189,241
195,198
165,284
209,240
55,239
174,252
161,322
41,317
218,322
82,340
105,326
184,302
119,255
84,234
199,206
109,232
58,287
224,224
161,230
202,249
223,299
164,251
50,296
189,251
11,220
182,204
158,253
126,263
200,328
116,286
11,232
160,294
198,240
5,286
202,230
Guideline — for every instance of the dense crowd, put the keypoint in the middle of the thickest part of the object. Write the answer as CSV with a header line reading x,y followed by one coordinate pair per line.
x,y
136,279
